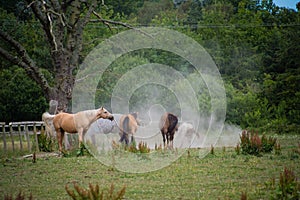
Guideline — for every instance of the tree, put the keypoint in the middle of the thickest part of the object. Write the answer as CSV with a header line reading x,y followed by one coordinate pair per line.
x,y
62,23
18,95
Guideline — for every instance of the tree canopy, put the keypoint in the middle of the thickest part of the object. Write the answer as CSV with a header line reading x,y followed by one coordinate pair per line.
x,y
255,45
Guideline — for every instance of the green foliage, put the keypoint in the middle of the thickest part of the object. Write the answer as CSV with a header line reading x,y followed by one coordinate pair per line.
x,y
45,142
20,97
288,186
82,150
252,144
255,45
94,193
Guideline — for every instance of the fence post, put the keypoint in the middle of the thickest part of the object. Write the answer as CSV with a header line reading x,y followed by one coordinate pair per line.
x,y
11,136
35,137
27,136
4,136
20,137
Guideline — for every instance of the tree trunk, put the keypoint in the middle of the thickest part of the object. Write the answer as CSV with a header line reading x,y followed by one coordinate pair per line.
x,y
63,23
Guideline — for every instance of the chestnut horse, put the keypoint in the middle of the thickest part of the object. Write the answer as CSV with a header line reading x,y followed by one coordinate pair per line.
x,y
75,123
128,125
168,125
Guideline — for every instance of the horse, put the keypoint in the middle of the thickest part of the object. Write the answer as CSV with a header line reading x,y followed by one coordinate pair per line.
x,y
168,125
128,125
75,123
106,126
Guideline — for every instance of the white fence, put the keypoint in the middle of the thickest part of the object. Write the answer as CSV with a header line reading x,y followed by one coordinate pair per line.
x,y
11,135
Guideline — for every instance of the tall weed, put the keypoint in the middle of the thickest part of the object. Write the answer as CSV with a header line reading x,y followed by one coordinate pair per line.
x,y
252,144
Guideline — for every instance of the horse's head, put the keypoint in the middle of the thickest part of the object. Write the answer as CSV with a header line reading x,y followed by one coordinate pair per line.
x,y
103,113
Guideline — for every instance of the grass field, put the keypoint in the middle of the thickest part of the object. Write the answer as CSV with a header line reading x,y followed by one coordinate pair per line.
x,y
222,175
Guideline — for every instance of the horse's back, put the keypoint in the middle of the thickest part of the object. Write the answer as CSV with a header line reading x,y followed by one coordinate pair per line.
x,y
128,123
65,121
168,122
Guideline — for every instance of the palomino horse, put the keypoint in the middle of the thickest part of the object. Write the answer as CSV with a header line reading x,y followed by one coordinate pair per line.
x,y
128,125
75,123
168,125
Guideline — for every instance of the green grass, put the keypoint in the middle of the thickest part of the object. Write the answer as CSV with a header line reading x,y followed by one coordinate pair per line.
x,y
224,175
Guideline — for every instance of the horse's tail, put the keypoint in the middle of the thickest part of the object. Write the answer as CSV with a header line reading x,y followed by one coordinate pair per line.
x,y
125,129
48,118
126,125
173,120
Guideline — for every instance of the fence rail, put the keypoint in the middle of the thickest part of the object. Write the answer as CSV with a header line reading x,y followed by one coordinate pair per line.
x,y
13,132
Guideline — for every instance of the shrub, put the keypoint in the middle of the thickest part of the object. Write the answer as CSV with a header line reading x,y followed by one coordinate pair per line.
x,y
45,142
141,148
252,144
94,193
268,144
289,187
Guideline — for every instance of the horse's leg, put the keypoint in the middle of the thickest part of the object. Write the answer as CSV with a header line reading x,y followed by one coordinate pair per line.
x,y
168,140
132,138
164,138
171,139
124,136
60,136
80,137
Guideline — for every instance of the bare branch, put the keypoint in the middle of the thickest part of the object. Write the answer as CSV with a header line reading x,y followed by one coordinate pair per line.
x,y
23,60
51,31
13,59
29,5
61,16
107,22
18,47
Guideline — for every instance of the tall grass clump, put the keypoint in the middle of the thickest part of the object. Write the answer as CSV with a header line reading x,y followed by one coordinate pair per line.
x,y
252,144
20,196
142,147
288,186
94,193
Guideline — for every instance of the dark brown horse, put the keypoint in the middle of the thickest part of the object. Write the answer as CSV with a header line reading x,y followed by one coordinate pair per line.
x,y
168,125
128,126
75,123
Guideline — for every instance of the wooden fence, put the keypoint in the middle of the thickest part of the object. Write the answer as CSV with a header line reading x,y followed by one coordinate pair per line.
x,y
13,133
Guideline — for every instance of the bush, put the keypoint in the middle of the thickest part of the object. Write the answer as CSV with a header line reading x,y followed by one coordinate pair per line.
x,y
45,142
252,144
289,187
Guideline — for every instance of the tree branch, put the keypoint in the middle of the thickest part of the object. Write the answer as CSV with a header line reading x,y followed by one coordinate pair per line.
x,y
107,22
74,43
23,60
